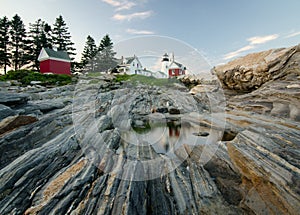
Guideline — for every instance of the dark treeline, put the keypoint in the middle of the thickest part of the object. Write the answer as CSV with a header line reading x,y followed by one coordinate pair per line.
x,y
98,58
20,47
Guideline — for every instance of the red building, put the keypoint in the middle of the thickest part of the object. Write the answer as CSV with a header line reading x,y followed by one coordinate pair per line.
x,y
176,69
55,62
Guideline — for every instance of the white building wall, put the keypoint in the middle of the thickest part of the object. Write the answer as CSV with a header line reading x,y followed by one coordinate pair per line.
x,y
135,67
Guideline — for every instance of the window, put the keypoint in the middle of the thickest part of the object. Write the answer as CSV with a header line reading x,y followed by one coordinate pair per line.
x,y
133,64
173,71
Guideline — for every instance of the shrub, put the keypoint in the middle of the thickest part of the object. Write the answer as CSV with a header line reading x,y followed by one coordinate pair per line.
x,y
26,76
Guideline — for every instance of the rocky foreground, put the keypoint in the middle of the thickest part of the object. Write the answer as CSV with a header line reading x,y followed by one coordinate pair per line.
x,y
102,147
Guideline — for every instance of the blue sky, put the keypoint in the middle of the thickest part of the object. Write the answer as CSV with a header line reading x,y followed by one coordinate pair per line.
x,y
220,29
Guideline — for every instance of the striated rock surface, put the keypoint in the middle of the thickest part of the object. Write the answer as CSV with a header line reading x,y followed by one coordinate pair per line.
x,y
278,95
102,147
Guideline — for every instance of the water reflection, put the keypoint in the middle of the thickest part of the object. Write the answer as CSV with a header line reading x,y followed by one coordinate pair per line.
x,y
166,137
174,130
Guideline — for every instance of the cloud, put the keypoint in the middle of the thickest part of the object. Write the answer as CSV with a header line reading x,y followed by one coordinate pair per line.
x,y
121,4
263,39
139,32
113,3
253,42
129,17
238,52
293,35
126,6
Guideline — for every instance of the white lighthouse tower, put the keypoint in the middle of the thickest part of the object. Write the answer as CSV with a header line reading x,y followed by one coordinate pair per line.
x,y
165,63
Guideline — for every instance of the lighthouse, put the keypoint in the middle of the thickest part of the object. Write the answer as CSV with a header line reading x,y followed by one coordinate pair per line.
x,y
165,64
170,68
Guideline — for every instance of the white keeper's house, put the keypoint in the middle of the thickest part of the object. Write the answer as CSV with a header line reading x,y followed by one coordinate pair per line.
x,y
130,65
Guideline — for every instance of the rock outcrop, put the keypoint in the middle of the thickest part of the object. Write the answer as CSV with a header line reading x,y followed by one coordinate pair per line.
x,y
103,147
263,158
248,73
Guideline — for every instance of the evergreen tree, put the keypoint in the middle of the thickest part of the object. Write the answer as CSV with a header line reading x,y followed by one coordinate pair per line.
x,y
106,56
61,37
4,43
105,42
19,43
39,35
89,53
47,34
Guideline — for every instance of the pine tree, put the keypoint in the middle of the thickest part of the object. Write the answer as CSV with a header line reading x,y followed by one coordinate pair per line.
x,y
106,56
19,43
4,43
61,37
39,35
105,42
89,53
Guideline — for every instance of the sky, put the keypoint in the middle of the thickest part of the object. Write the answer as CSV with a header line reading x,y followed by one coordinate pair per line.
x,y
221,30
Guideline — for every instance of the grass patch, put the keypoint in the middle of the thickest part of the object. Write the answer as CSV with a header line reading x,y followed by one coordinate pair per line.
x,y
26,76
145,80
120,78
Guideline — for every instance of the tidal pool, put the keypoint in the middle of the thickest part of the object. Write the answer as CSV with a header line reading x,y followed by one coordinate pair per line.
x,y
166,136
